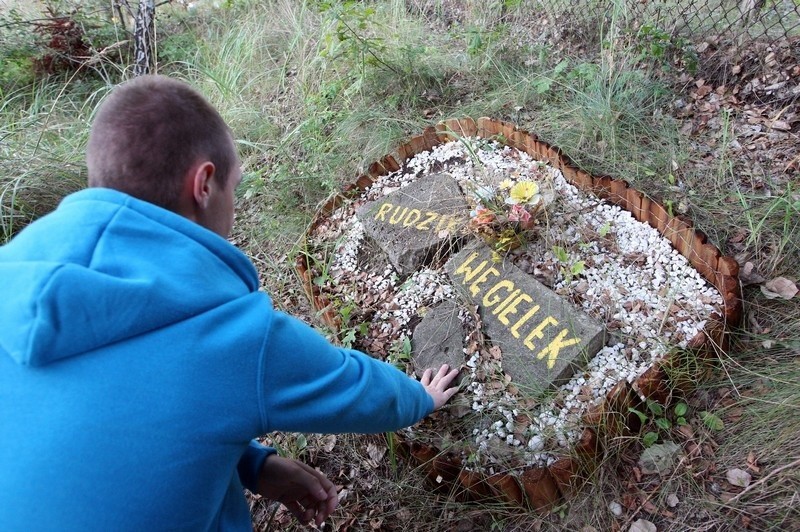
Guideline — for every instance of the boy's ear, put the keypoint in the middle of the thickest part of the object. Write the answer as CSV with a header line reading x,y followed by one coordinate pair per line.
x,y
200,177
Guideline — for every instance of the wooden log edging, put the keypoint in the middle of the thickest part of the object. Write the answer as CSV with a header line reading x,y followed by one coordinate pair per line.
x,y
540,488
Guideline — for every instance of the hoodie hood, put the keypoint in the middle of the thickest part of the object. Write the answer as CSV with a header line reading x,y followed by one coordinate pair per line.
x,y
105,267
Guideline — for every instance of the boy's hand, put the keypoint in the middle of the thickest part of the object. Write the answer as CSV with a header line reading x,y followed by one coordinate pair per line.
x,y
305,492
437,385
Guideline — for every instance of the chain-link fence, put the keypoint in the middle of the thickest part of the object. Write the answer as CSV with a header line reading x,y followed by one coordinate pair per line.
x,y
740,21
736,22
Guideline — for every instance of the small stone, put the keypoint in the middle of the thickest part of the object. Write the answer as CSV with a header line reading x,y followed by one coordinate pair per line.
x,y
642,525
672,500
536,444
616,508
738,477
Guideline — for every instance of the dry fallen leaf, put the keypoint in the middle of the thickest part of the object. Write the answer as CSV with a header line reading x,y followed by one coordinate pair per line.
x,y
779,287
495,352
739,478
781,125
649,507
460,411
748,274
328,442
752,462
733,415
687,431
376,453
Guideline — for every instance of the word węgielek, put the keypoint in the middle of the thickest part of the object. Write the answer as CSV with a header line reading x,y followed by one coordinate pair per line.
x,y
514,308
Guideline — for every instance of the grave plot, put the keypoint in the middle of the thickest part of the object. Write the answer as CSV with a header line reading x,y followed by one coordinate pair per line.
x,y
566,299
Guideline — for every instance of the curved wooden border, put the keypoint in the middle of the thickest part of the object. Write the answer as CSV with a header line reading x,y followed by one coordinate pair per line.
x,y
540,488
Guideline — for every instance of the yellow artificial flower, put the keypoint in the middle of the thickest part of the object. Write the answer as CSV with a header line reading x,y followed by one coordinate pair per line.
x,y
505,184
523,192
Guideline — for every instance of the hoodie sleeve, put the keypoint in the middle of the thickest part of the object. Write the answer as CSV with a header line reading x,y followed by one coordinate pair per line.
x,y
250,463
310,385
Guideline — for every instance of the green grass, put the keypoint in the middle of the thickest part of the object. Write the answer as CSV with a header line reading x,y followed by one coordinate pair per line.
x,y
43,128
312,101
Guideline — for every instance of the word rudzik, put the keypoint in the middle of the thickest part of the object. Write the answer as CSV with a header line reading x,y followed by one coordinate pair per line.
x,y
422,220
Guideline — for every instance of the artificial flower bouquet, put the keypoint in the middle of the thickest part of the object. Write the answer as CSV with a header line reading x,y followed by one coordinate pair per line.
x,y
506,216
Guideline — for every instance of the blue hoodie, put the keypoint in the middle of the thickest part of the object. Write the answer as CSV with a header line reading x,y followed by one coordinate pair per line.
x,y
137,361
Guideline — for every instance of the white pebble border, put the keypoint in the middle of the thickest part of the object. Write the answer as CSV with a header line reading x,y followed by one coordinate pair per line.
x,y
633,280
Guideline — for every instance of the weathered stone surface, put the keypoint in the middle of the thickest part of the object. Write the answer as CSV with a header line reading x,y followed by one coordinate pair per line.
x,y
542,338
438,339
417,224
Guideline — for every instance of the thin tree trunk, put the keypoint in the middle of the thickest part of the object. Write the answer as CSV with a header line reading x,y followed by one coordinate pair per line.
x,y
143,35
124,15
